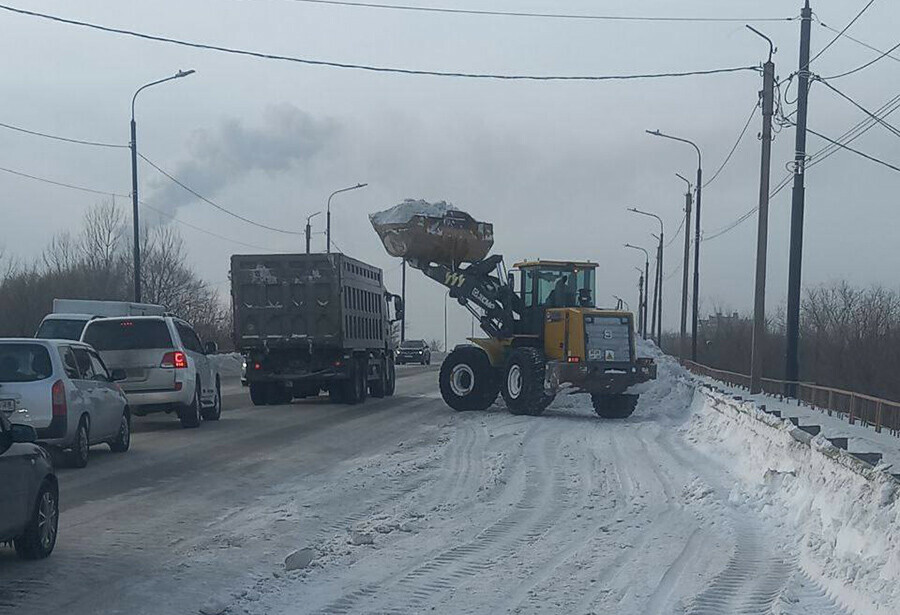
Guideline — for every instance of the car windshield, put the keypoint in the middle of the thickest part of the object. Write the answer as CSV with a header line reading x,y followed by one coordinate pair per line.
x,y
24,363
414,344
127,334
61,329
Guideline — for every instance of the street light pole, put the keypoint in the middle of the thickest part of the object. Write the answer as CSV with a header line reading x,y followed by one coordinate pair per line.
x,y
657,299
328,214
309,229
699,184
646,282
640,300
135,220
686,267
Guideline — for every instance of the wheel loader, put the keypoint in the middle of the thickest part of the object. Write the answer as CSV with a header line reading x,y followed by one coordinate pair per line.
x,y
544,331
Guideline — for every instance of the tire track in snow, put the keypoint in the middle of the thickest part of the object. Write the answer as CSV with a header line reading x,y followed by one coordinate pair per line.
x,y
545,491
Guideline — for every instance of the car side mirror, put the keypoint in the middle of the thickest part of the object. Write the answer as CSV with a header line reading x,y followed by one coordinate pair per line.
x,y
117,375
22,433
210,348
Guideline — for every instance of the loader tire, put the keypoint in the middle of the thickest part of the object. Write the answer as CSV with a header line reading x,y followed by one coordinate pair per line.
x,y
468,380
609,406
523,382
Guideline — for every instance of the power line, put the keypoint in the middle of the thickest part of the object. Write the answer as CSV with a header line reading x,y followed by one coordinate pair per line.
x,y
62,184
675,235
736,143
855,132
201,229
367,67
213,203
859,42
856,151
867,64
124,196
841,33
568,16
861,108
58,138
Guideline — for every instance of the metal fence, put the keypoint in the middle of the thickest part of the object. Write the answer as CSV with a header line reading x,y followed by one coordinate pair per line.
x,y
856,407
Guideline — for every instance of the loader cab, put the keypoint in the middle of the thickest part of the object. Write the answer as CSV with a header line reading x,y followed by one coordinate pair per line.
x,y
554,284
557,284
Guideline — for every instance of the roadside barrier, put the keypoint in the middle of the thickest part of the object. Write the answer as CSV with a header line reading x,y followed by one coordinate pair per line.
x,y
856,407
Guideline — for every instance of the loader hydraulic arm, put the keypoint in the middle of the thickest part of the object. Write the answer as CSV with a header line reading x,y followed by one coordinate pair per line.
x,y
480,288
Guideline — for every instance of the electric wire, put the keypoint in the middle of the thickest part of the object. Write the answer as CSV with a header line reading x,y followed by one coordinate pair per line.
x,y
213,203
734,148
867,64
675,235
59,138
881,121
855,151
859,42
368,67
841,33
60,184
567,16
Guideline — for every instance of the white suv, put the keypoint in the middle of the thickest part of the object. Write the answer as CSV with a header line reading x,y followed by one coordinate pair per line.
x,y
167,368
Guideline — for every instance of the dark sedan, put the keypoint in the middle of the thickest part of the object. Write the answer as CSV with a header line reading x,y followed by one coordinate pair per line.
x,y
29,498
414,351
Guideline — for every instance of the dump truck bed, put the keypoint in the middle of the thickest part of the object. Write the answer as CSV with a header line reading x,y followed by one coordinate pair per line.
x,y
307,300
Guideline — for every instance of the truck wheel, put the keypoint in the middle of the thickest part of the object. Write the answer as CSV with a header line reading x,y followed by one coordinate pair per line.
x,y
259,393
337,393
468,381
610,406
378,387
523,382
363,375
391,383
280,394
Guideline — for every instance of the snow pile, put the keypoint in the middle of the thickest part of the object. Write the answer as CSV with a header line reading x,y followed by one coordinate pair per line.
x,y
404,212
842,520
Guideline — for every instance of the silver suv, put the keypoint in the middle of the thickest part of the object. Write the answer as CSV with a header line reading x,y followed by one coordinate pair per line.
x,y
167,368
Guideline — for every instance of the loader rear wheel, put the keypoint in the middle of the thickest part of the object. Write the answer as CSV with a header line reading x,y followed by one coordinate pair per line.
x,y
610,406
468,380
523,382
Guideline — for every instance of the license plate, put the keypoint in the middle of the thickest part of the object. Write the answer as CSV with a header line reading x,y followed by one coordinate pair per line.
x,y
7,406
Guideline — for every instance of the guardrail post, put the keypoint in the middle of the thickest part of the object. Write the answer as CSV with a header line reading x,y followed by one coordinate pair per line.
x,y
852,418
830,401
878,409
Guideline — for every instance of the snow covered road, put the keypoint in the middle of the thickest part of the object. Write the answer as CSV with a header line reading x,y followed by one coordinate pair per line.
x,y
408,507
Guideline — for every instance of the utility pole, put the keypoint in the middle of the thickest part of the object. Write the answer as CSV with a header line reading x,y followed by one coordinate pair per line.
x,y
656,289
685,268
403,293
762,234
640,301
792,358
659,307
309,229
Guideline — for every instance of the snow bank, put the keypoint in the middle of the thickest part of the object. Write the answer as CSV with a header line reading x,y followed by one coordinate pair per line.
x,y
404,212
841,518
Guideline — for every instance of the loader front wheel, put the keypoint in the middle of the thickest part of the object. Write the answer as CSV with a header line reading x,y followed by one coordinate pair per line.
x,y
523,382
609,406
468,380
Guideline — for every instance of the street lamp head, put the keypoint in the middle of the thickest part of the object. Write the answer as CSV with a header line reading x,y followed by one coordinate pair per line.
x,y
655,133
184,73
361,185
311,216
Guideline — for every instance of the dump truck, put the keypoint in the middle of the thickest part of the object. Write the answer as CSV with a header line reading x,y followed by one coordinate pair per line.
x,y
308,323
544,330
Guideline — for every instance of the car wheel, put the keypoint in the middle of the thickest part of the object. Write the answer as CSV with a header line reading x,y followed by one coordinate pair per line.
x,y
190,414
122,441
215,412
39,538
81,448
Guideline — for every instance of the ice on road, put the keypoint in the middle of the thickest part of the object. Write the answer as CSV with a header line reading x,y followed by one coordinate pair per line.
x,y
403,506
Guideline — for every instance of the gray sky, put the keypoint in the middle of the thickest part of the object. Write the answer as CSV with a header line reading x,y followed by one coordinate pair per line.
x,y
553,165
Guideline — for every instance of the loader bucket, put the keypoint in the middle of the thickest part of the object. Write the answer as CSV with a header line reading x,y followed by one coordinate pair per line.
x,y
449,238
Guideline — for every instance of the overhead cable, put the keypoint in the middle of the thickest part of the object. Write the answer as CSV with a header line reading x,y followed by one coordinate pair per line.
x,y
368,67
58,138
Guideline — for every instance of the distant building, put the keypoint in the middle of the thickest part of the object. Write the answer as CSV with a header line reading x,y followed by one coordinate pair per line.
x,y
718,321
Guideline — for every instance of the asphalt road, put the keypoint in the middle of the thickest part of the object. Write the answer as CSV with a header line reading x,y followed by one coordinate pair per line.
x,y
138,531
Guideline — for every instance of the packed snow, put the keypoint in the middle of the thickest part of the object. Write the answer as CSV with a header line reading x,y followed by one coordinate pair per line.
x,y
404,212
693,505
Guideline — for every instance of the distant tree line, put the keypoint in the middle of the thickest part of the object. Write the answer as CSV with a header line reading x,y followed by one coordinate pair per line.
x,y
95,262
849,339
